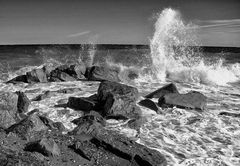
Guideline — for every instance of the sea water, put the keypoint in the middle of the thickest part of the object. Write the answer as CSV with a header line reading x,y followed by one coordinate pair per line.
x,y
185,137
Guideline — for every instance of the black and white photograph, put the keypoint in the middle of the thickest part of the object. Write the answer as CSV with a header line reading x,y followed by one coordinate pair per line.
x,y
119,82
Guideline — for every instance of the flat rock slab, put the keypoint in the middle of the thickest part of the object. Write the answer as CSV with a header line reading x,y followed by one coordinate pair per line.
x,y
81,103
170,88
191,100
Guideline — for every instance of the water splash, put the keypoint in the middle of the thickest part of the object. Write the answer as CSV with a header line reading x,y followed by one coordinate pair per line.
x,y
175,54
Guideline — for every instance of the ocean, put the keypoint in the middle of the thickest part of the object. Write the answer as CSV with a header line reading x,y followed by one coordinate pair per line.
x,y
185,137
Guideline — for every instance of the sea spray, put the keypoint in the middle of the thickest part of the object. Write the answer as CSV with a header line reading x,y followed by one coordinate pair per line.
x,y
175,54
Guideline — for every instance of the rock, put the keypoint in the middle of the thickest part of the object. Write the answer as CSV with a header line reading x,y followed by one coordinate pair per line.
x,y
230,114
191,100
58,75
23,102
56,126
118,99
81,103
8,109
107,147
149,104
48,94
78,70
36,75
28,128
21,78
92,116
170,88
45,146
97,73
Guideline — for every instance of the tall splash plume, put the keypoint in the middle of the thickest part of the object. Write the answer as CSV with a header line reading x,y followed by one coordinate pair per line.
x,y
173,56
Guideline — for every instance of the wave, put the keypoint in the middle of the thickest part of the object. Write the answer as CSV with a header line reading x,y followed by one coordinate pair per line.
x,y
174,58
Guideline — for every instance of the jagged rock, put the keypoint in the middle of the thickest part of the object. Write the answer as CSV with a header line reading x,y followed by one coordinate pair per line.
x,y
149,104
21,78
8,109
81,103
107,147
118,99
97,73
170,88
191,100
36,75
45,146
23,102
28,128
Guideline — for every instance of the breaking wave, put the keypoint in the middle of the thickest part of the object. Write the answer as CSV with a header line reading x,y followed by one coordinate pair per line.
x,y
175,58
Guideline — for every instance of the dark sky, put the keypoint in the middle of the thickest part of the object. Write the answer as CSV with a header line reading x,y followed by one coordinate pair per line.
x,y
112,21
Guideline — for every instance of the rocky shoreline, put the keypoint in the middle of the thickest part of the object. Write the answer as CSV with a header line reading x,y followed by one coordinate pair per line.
x,y
29,138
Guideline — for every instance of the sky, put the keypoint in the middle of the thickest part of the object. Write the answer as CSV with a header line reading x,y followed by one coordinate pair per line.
x,y
113,21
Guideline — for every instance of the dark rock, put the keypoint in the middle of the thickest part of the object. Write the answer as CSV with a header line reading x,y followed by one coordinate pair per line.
x,y
97,73
78,70
11,158
28,128
49,94
56,126
118,99
8,109
230,114
149,104
23,102
109,148
191,100
92,116
21,78
170,88
81,103
136,123
58,75
45,146
36,75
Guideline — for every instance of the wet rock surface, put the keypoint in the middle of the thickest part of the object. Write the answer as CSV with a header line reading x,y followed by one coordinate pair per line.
x,y
170,88
191,100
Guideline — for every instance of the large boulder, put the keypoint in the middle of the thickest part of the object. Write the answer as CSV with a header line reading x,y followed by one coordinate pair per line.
x,y
8,109
57,76
97,73
106,147
118,99
170,88
29,128
149,104
191,100
36,75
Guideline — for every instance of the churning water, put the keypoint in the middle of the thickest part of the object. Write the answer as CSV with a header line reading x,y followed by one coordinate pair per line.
x,y
185,137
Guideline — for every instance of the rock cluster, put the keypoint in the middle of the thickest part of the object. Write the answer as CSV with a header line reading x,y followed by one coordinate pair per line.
x,y
28,138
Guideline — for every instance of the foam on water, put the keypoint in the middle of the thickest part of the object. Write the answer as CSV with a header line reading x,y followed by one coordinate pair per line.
x,y
174,58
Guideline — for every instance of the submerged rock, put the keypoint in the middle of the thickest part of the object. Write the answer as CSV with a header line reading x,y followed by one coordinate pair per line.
x,y
191,100
97,73
118,99
170,88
